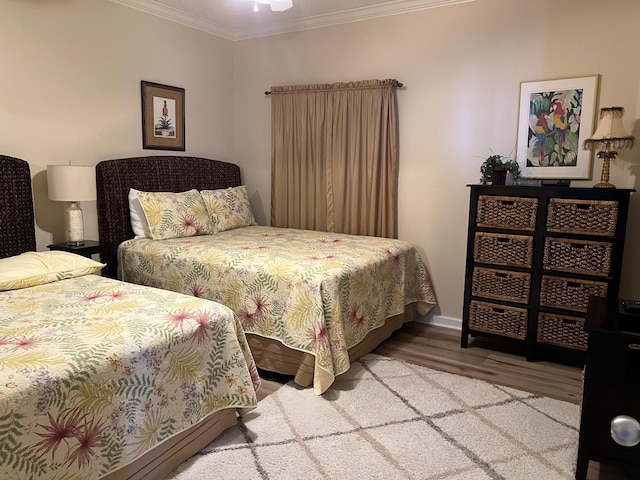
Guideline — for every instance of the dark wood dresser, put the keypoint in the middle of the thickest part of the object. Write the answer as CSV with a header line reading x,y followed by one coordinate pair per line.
x,y
534,257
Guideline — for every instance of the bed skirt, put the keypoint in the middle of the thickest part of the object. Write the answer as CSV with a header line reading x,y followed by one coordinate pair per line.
x,y
273,356
164,458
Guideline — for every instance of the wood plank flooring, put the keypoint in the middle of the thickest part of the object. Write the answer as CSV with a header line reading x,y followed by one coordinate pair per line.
x,y
485,359
439,348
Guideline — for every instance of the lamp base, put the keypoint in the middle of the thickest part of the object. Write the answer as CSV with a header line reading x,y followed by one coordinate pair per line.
x,y
604,185
606,156
74,225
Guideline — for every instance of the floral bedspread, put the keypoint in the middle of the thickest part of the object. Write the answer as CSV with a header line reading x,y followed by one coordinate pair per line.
x,y
94,372
317,292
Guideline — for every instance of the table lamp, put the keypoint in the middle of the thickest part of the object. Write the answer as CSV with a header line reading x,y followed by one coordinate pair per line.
x,y
609,136
72,184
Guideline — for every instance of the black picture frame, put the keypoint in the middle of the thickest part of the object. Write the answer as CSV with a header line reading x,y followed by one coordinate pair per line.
x,y
162,116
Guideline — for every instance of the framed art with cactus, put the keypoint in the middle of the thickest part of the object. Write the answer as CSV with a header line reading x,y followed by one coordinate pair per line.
x,y
555,118
162,117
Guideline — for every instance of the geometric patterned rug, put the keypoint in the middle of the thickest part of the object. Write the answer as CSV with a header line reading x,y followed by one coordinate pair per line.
x,y
388,419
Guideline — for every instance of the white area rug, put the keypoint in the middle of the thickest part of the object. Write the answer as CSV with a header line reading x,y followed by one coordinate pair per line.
x,y
387,419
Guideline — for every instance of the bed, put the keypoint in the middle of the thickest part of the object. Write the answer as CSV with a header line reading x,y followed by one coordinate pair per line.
x,y
310,302
100,378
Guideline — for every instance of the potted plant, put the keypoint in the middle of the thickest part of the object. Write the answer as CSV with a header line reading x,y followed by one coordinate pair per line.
x,y
494,170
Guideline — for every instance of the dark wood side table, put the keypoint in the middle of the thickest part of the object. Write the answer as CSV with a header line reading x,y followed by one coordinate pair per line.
x,y
90,247
609,429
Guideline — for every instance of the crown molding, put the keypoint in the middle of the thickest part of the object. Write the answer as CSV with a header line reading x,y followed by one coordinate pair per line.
x,y
231,32
179,16
346,16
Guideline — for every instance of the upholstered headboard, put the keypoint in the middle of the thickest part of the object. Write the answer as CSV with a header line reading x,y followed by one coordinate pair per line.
x,y
17,230
114,178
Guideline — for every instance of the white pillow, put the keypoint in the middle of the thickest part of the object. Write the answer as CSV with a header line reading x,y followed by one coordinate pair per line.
x,y
37,268
139,222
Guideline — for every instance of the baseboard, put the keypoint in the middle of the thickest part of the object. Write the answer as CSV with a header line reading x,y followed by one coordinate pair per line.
x,y
440,321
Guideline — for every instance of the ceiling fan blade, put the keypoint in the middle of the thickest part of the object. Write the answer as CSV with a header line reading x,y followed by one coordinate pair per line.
x,y
281,5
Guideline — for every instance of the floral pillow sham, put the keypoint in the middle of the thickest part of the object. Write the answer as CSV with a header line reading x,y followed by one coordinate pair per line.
x,y
228,208
175,215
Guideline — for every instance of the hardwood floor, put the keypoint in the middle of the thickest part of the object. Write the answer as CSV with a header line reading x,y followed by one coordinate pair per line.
x,y
439,348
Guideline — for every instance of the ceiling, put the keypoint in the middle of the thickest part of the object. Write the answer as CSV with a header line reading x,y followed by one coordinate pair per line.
x,y
236,20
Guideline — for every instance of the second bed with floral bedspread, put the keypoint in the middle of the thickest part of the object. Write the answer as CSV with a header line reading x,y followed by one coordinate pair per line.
x,y
315,292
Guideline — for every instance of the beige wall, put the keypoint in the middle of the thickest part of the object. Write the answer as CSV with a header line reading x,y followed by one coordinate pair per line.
x,y
462,66
71,74
70,84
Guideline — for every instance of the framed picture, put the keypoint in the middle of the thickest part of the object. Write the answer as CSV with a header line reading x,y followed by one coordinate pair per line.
x,y
555,118
162,117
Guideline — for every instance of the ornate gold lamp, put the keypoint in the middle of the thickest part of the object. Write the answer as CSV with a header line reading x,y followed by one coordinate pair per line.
x,y
608,137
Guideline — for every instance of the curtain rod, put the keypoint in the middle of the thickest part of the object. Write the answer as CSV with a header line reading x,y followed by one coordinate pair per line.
x,y
396,84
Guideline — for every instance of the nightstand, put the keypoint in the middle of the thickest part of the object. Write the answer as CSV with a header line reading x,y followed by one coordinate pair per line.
x,y
89,248
609,429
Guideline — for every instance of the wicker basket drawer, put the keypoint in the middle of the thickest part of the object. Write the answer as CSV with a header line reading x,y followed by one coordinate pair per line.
x,y
569,293
502,249
577,256
501,284
562,331
498,319
516,213
593,217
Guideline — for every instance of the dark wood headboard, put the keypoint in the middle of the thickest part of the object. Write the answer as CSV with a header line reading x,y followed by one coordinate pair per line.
x,y
17,229
114,178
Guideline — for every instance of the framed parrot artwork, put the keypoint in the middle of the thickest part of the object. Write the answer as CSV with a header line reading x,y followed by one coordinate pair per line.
x,y
554,119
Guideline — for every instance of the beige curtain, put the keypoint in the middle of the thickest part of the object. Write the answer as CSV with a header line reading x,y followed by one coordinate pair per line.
x,y
334,157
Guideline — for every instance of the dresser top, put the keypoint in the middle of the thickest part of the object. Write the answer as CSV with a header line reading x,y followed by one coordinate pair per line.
x,y
553,190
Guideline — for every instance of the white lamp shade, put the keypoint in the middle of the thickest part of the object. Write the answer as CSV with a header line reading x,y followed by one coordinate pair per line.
x,y
610,126
610,131
71,183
